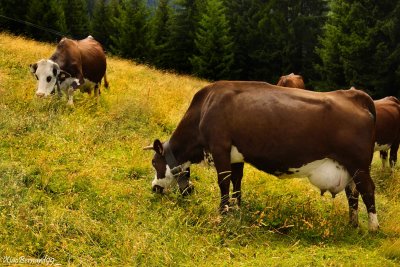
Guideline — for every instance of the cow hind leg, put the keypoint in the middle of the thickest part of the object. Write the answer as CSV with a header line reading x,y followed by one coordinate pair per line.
x,y
366,187
393,154
70,93
352,198
97,90
236,178
383,155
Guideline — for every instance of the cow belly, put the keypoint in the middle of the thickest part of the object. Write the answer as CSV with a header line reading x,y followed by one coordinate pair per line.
x,y
326,174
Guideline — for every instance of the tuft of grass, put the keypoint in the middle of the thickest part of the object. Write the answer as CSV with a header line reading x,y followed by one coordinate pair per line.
x,y
75,184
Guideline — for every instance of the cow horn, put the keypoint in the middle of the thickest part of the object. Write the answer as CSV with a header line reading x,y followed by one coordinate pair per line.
x,y
148,147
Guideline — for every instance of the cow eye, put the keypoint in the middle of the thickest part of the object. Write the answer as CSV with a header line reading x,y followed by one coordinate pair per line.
x,y
48,79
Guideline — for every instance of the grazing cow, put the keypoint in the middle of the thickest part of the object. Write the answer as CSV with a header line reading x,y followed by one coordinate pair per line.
x,y
328,137
72,64
387,128
291,80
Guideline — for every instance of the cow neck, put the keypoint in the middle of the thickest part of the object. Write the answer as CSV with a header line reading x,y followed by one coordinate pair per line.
x,y
169,156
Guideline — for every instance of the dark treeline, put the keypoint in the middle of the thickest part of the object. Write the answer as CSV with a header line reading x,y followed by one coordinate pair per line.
x,y
332,43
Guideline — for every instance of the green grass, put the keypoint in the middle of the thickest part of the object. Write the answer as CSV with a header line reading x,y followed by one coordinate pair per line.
x,y
75,185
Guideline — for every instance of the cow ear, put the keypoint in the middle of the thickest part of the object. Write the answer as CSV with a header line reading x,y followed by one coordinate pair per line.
x,y
33,67
158,147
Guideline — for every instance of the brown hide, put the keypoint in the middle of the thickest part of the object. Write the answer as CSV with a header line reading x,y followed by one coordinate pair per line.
x,y
275,129
291,80
388,125
83,59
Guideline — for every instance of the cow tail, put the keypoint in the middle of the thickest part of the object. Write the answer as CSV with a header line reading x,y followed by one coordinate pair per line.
x,y
105,80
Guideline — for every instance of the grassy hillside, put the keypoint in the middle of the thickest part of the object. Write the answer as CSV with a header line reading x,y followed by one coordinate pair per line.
x,y
75,185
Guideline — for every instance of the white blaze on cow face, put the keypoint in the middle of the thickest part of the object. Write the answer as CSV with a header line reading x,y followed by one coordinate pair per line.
x,y
46,72
167,180
326,174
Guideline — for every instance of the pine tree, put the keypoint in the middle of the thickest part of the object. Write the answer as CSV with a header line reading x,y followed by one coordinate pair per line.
x,y
160,34
77,18
47,14
131,37
213,43
360,48
180,46
101,22
14,11
243,17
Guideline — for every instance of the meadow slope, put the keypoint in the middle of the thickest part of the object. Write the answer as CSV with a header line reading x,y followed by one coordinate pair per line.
x,y
75,185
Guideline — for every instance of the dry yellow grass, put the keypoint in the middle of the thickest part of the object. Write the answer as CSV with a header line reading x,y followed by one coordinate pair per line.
x,y
75,184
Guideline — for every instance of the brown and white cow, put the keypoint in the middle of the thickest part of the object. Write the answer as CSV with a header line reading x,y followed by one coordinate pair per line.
x,y
328,137
291,80
387,128
73,64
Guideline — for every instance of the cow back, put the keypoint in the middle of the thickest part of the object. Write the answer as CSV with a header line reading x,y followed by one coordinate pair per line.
x,y
279,128
291,80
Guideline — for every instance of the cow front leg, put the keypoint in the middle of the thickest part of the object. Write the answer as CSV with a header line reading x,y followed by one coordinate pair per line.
x,y
352,198
223,166
185,186
393,154
70,94
236,178
366,187
383,155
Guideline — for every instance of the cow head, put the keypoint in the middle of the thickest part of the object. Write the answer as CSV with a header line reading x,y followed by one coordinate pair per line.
x,y
46,72
166,176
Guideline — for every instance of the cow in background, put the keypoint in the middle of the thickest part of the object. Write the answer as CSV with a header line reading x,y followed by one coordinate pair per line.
x,y
387,128
291,80
73,64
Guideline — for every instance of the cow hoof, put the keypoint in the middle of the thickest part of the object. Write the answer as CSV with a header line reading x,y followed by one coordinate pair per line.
x,y
224,209
373,224
234,203
188,190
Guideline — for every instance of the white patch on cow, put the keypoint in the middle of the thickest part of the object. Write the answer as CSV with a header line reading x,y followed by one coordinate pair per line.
x,y
68,82
381,147
166,182
46,78
236,156
373,224
169,180
326,174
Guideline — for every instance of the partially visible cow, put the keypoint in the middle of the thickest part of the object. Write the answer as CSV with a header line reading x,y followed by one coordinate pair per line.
x,y
73,64
387,128
291,80
328,137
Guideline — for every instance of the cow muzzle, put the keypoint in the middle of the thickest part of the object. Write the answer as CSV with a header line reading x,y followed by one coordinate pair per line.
x,y
40,95
158,189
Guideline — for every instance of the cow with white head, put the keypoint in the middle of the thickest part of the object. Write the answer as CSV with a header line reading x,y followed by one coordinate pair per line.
x,y
73,64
